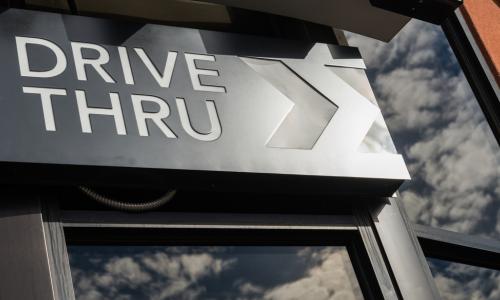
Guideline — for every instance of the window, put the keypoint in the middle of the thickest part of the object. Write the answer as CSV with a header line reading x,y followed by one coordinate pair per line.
x,y
161,255
440,129
213,272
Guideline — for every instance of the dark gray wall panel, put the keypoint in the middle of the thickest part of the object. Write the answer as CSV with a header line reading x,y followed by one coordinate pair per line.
x,y
24,262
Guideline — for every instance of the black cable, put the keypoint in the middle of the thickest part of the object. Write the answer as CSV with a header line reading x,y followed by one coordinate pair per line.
x,y
127,206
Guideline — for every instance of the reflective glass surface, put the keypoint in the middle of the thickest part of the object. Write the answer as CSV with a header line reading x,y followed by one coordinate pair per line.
x,y
464,282
200,272
438,126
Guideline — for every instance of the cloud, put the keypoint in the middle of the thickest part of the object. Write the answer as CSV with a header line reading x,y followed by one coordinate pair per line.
x,y
438,126
248,288
330,279
159,275
126,270
463,282
312,273
416,91
412,43
117,272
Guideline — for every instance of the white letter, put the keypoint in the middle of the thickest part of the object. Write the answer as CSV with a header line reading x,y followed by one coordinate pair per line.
x,y
215,130
48,113
156,117
127,72
24,65
85,112
194,73
97,63
162,79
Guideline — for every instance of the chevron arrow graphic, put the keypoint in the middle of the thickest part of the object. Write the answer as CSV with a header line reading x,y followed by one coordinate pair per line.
x,y
311,111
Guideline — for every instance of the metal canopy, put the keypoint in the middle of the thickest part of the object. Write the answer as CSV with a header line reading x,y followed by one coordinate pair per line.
x,y
358,16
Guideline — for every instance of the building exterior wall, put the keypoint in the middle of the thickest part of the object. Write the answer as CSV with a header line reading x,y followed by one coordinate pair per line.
x,y
483,17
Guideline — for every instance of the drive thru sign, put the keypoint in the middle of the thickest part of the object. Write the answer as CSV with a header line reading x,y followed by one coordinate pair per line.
x,y
86,92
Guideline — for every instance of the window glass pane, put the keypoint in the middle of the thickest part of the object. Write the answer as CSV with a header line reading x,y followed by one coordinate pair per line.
x,y
458,281
438,126
201,272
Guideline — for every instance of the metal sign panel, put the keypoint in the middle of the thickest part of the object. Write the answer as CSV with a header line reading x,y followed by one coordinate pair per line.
x,y
85,92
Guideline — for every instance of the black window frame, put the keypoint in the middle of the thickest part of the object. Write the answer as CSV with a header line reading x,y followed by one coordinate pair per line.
x,y
99,228
444,244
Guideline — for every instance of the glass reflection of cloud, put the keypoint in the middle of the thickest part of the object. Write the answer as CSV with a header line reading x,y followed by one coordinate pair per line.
x,y
438,126
240,272
453,157
462,282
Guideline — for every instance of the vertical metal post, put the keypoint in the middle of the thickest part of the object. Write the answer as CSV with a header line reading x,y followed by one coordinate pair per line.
x,y
371,243
57,251
23,252
403,251
475,68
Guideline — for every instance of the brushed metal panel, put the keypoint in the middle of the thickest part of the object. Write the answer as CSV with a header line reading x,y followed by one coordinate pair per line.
x,y
24,262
